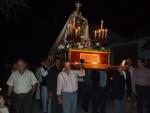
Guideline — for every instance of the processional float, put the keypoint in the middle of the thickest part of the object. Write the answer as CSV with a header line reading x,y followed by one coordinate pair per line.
x,y
81,46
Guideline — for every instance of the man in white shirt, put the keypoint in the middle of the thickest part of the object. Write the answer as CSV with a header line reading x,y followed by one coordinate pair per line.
x,y
67,86
21,86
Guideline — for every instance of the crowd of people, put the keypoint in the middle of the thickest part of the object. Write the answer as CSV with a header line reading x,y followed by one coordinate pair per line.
x,y
60,89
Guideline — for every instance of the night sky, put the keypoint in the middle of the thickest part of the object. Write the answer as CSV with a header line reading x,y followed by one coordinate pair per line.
x,y
32,32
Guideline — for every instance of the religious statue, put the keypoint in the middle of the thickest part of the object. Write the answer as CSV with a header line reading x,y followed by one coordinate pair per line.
x,y
77,25
75,30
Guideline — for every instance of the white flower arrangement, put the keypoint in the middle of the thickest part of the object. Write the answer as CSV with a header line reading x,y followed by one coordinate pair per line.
x,y
60,47
102,48
68,46
80,46
97,44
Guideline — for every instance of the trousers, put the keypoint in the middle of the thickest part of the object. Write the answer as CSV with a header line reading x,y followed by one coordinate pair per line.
x,y
143,96
44,98
121,104
69,104
22,103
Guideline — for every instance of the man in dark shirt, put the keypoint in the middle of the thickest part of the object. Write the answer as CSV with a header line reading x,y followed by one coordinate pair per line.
x,y
44,92
121,88
53,106
99,84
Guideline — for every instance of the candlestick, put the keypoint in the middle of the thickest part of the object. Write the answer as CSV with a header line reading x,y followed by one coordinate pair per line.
x,y
73,34
103,33
79,30
74,22
99,33
106,32
76,32
102,22
95,33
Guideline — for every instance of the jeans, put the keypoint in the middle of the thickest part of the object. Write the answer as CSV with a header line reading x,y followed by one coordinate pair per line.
x,y
49,105
37,96
44,98
69,102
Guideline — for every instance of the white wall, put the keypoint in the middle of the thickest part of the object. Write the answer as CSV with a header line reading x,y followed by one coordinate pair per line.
x,y
143,53
140,42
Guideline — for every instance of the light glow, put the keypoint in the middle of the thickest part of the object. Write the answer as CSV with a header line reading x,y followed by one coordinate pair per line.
x,y
94,63
90,58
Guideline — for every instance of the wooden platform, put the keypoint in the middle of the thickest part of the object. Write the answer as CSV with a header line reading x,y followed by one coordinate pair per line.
x,y
91,59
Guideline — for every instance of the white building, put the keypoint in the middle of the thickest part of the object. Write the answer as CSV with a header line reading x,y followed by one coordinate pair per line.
x,y
133,48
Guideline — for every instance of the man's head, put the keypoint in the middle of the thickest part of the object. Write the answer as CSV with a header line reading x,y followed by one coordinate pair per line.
x,y
141,62
14,66
42,63
124,65
21,65
129,61
67,65
57,62
47,63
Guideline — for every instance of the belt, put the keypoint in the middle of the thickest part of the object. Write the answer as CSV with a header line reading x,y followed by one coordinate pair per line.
x,y
70,92
24,93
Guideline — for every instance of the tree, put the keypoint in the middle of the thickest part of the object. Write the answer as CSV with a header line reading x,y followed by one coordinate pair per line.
x,y
12,8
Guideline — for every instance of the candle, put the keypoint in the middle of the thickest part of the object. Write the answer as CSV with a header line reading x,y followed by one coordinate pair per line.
x,y
103,33
106,32
76,32
74,22
99,32
79,30
95,33
102,22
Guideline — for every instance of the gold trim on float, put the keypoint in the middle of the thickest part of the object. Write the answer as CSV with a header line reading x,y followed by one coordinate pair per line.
x,y
90,50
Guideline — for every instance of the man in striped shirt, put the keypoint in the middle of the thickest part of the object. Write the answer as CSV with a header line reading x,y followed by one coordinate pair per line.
x,y
142,86
67,86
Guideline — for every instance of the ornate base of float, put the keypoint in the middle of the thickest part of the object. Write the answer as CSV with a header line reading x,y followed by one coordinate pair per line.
x,y
88,58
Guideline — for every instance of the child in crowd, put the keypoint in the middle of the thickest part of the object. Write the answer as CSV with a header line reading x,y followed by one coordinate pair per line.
x,y
3,108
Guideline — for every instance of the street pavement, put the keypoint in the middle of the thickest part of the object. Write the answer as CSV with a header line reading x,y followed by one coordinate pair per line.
x,y
109,108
